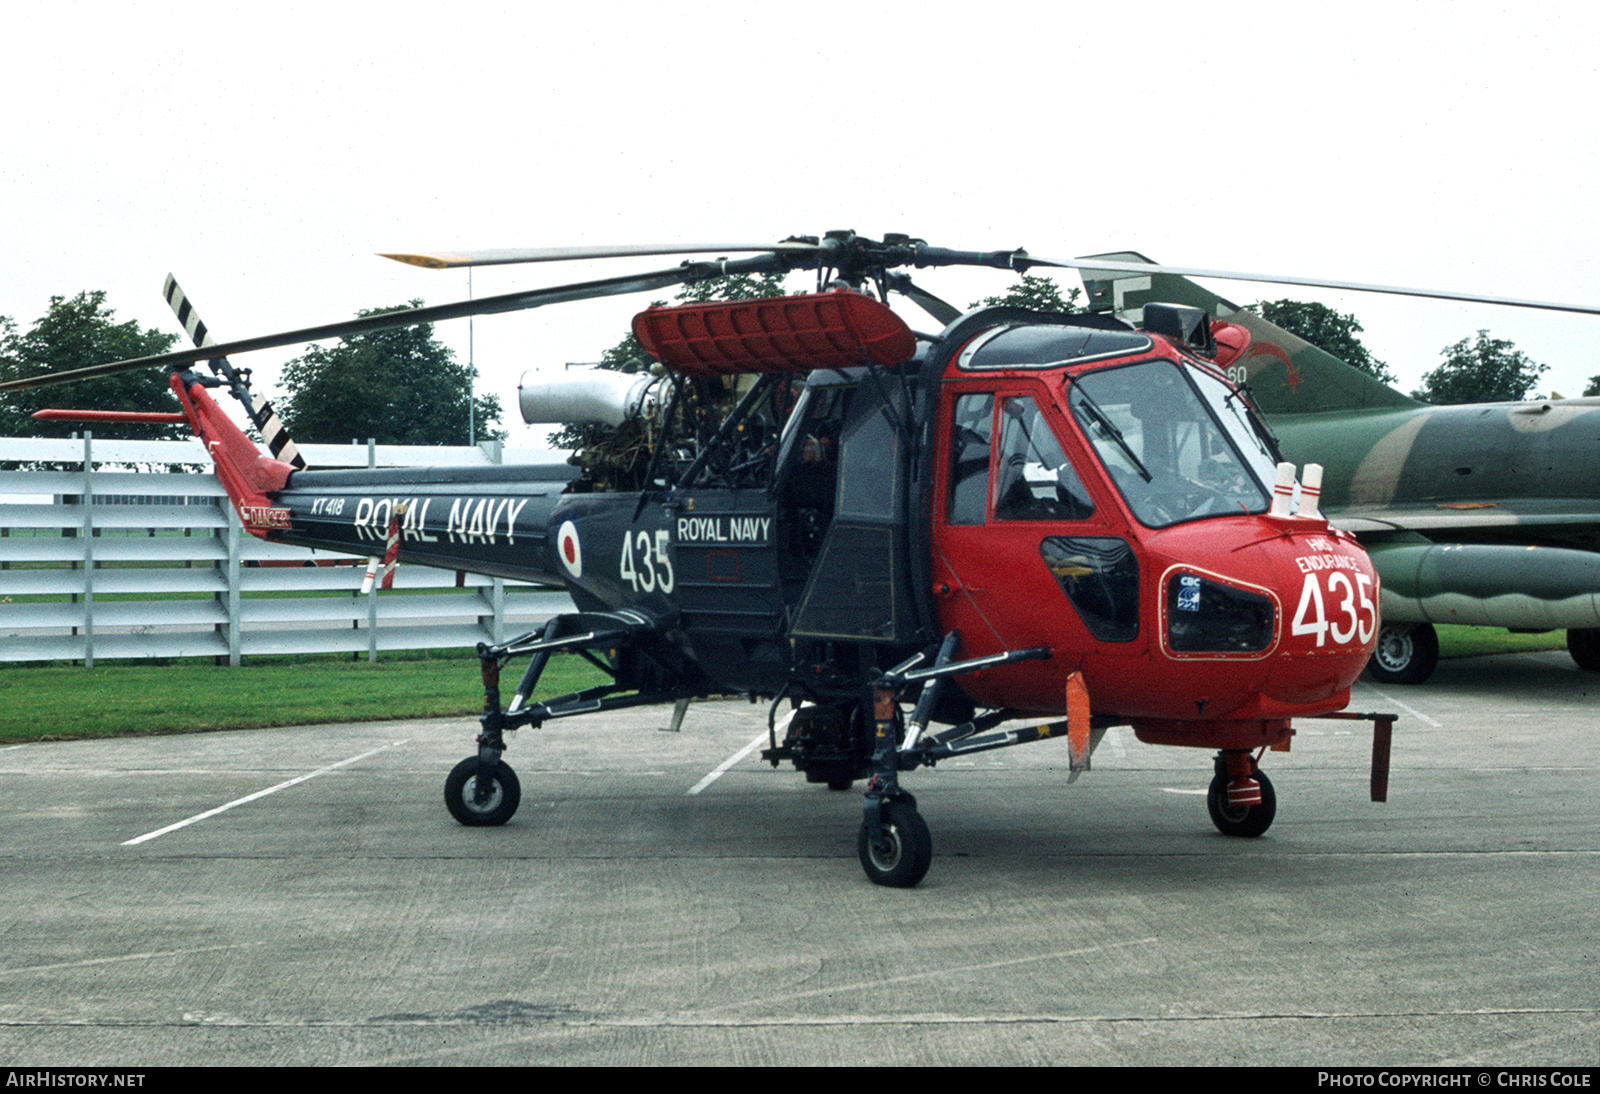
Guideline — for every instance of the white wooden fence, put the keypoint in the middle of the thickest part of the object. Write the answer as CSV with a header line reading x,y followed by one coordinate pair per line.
x,y
130,549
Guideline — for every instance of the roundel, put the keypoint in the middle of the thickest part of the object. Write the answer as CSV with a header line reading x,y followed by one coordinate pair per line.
x,y
570,550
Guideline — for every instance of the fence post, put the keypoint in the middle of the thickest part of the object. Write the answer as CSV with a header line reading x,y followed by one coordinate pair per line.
x,y
233,602
372,623
88,550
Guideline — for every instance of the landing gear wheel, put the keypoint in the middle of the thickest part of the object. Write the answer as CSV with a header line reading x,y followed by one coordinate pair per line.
x,y
460,790
1584,645
902,856
1405,654
1241,820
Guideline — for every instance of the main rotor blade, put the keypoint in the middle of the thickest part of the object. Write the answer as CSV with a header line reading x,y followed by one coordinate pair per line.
x,y
447,260
1092,264
487,305
942,310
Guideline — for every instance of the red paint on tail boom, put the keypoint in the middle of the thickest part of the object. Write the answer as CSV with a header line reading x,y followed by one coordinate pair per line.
x,y
247,475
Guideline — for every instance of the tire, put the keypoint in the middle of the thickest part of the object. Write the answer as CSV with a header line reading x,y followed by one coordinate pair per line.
x,y
1584,645
907,852
503,800
1405,654
1247,821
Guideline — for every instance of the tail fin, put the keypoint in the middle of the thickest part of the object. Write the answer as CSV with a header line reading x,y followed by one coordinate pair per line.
x,y
249,477
262,416
1285,373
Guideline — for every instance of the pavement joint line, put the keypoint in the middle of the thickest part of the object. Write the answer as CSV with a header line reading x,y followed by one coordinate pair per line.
x,y
260,794
650,1021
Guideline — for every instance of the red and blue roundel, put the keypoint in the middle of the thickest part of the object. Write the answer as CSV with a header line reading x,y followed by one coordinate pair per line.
x,y
570,550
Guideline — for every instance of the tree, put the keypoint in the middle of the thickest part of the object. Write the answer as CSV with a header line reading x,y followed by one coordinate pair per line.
x,y
732,287
77,333
1593,388
1330,331
396,386
1037,292
1488,370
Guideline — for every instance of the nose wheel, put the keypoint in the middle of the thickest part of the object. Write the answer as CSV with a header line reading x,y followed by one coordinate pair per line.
x,y
1236,807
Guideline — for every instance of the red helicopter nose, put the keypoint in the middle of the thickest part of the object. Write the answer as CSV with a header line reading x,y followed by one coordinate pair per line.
x,y
1273,617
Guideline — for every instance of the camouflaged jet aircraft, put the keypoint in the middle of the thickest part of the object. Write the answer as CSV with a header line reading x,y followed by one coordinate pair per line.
x,y
1484,514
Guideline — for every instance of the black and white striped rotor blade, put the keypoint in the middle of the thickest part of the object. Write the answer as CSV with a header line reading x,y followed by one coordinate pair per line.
x,y
261,413
184,310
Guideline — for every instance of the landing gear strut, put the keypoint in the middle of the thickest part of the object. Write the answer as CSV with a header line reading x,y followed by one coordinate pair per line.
x,y
894,844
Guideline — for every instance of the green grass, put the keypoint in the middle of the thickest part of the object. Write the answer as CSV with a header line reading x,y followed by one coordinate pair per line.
x,y
59,702
1457,641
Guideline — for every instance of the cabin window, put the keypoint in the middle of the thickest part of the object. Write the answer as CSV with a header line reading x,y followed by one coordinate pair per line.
x,y
971,431
1100,575
1034,480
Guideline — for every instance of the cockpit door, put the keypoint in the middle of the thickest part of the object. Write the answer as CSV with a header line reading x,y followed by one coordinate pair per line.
x,y
1026,550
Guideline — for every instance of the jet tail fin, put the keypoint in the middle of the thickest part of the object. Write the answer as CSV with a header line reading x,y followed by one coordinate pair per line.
x,y
1285,373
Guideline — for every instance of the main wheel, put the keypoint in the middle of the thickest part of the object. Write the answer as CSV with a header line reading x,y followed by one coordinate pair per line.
x,y
460,790
902,856
1241,820
1406,654
1584,645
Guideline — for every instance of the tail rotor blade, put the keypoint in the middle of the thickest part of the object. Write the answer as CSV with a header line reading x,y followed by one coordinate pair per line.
x,y
265,419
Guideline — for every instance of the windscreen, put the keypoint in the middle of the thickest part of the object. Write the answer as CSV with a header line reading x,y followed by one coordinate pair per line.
x,y
1178,443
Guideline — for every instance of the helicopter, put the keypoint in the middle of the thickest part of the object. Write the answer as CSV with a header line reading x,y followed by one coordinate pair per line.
x,y
906,542
1478,514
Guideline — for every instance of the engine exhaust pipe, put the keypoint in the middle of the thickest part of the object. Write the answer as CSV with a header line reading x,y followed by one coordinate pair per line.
x,y
587,395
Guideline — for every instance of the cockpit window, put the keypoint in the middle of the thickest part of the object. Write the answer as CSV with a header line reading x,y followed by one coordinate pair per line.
x,y
1173,454
1034,346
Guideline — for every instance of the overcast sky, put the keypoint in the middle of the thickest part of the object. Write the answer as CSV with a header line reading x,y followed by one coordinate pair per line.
x,y
265,154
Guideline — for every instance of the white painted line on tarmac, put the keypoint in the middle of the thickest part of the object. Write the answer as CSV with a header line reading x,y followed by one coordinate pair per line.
x,y
1413,711
260,794
848,990
86,963
732,760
